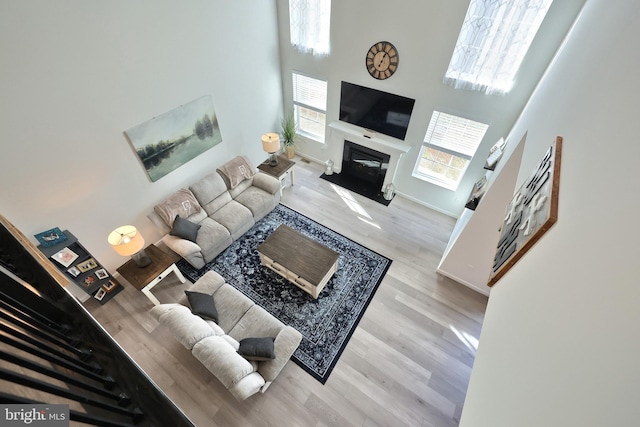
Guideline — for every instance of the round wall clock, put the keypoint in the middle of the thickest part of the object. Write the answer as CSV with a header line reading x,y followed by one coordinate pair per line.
x,y
382,60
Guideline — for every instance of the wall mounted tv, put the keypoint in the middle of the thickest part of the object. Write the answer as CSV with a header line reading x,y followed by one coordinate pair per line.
x,y
375,110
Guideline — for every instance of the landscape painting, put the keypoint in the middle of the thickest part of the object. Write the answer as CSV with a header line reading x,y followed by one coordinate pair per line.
x,y
170,140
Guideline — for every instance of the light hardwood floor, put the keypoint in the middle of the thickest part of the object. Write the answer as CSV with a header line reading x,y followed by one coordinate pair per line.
x,y
407,364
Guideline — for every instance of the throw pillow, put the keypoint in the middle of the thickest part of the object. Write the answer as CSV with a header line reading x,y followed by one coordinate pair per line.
x,y
257,348
185,229
202,305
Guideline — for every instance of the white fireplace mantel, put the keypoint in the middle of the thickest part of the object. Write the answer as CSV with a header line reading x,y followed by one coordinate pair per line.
x,y
394,148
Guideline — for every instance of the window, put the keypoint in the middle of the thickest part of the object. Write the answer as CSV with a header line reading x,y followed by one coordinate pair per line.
x,y
448,147
309,105
493,41
309,24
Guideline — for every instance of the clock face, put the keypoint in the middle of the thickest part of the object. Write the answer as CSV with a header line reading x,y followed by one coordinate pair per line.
x,y
382,60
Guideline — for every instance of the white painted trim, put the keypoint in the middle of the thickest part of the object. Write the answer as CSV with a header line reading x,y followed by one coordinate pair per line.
x,y
483,291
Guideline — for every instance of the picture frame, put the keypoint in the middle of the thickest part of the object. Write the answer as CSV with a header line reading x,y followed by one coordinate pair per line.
x,y
89,280
108,287
101,274
100,294
50,237
65,257
74,271
87,265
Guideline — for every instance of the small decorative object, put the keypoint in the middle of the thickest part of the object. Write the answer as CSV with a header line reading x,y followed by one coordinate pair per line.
x,y
126,241
495,154
532,211
87,265
271,144
170,140
389,191
108,287
100,294
50,237
89,280
288,125
328,167
65,257
74,271
477,192
382,60
102,274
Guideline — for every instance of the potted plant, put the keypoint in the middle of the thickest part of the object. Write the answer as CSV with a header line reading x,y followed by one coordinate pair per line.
x,y
288,124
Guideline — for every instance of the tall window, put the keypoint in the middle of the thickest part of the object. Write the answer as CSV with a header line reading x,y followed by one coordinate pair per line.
x,y
309,23
493,41
448,147
310,105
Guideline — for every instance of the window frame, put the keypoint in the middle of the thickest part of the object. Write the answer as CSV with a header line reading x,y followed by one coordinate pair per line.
x,y
300,104
432,177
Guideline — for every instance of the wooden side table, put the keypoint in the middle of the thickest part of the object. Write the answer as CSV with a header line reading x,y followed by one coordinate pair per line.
x,y
145,278
281,170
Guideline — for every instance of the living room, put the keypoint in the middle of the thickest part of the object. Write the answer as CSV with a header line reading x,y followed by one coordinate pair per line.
x,y
76,75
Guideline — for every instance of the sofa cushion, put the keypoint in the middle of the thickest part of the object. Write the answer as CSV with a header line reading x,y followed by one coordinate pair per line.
x,y
232,306
257,322
258,201
236,171
185,229
234,217
208,188
219,357
212,238
202,305
182,203
257,348
185,326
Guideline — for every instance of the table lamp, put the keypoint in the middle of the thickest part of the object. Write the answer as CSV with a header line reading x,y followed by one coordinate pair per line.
x,y
271,144
126,241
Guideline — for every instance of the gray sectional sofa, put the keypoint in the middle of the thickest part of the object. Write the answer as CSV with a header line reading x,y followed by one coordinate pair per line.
x,y
220,207
216,344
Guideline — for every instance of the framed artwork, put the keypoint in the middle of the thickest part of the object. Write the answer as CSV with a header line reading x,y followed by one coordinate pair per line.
x,y
89,280
74,271
108,287
102,274
479,188
530,214
87,265
100,294
50,237
65,257
170,140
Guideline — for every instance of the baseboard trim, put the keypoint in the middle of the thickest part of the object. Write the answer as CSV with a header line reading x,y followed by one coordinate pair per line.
x,y
464,282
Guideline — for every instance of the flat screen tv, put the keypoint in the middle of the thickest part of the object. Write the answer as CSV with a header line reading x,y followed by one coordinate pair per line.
x,y
375,110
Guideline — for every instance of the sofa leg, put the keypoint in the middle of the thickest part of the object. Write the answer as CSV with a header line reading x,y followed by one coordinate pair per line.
x,y
265,387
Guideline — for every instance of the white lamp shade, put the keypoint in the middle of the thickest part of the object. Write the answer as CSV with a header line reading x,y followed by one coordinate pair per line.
x,y
270,142
126,240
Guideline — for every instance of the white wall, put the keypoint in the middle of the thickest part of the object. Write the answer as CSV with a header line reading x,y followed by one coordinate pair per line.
x,y
559,345
76,74
424,34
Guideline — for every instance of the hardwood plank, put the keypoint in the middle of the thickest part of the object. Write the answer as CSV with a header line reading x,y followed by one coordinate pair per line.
x,y
407,364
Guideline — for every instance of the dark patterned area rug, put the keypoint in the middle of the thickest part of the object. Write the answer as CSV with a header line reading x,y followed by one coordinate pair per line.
x,y
326,324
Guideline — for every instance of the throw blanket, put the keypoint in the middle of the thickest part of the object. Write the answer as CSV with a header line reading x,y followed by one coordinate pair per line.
x,y
182,203
236,170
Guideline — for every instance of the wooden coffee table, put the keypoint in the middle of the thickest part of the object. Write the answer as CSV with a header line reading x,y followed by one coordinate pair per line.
x,y
302,261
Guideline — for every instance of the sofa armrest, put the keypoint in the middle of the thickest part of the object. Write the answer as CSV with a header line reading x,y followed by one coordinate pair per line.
x,y
186,249
266,182
286,342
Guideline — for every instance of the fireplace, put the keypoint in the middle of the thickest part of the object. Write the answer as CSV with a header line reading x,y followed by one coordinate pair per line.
x,y
363,171
364,163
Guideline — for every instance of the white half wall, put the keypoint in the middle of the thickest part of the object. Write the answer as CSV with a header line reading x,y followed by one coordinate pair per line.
x,y
559,345
76,74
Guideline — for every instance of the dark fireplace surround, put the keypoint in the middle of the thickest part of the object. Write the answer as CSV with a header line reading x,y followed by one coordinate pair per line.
x,y
363,171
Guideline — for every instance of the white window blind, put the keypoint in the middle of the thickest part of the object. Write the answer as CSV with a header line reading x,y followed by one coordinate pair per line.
x,y
495,36
448,147
310,104
455,135
309,24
